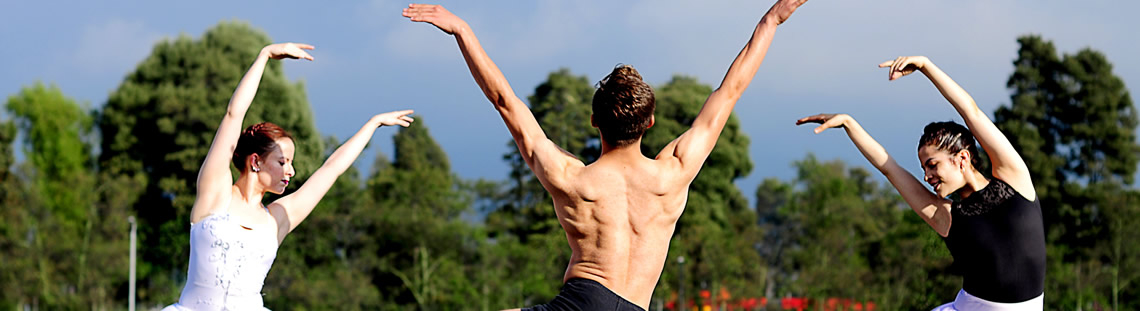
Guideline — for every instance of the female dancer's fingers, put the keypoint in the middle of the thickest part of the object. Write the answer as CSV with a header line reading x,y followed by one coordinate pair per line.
x,y
819,118
304,46
886,63
833,122
303,55
894,67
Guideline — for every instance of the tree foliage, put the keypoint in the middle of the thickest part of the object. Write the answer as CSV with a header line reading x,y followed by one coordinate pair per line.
x,y
1074,123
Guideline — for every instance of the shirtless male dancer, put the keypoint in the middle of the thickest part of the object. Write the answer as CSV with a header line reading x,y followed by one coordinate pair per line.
x,y
619,212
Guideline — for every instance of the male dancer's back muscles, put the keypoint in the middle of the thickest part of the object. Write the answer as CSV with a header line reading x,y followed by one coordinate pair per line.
x,y
619,212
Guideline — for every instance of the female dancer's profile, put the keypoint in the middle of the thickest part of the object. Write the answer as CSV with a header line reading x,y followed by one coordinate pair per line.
x,y
233,237
995,232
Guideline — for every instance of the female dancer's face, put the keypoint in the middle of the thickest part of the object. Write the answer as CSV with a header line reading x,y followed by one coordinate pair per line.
x,y
944,172
277,167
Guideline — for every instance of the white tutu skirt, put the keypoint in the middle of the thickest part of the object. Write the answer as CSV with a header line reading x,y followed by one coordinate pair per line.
x,y
967,302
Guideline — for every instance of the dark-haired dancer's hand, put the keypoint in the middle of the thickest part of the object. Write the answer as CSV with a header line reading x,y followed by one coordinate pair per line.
x,y
400,118
782,10
288,50
904,65
826,121
435,15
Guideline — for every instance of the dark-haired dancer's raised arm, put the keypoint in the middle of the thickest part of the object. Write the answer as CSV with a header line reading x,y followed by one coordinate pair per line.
x,y
933,209
692,148
543,156
214,178
1007,163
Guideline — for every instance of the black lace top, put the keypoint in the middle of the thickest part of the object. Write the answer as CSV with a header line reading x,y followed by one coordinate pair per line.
x,y
997,238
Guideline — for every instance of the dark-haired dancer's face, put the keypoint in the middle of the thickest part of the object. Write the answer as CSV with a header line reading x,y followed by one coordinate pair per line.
x,y
277,167
942,170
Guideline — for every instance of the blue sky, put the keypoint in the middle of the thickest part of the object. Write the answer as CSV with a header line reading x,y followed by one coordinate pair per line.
x,y
371,60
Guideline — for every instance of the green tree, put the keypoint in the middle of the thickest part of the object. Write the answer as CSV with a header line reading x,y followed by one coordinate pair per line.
x,y
18,286
834,232
1074,123
420,250
158,125
70,240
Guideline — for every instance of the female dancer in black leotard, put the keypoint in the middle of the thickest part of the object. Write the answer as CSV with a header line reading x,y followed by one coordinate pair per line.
x,y
995,232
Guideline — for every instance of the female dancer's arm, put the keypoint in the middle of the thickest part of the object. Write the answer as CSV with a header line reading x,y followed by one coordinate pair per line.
x,y
214,178
1007,163
934,210
290,210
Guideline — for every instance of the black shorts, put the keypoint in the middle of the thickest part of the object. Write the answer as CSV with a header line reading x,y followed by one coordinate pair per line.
x,y
586,295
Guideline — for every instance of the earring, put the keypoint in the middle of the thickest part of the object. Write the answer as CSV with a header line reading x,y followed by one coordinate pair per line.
x,y
255,169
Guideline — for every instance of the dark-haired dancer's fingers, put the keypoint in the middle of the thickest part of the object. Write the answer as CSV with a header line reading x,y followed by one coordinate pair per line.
x,y
826,121
903,65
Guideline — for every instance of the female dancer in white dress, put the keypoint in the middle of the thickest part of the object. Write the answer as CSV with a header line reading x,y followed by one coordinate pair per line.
x,y
233,237
995,233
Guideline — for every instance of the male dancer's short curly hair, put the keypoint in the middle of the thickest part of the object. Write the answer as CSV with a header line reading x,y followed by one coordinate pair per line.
x,y
623,106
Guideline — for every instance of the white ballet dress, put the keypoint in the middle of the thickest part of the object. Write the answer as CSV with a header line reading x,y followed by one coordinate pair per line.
x,y
228,265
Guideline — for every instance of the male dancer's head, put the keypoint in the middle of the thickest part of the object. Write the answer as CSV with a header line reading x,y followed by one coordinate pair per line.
x,y
623,107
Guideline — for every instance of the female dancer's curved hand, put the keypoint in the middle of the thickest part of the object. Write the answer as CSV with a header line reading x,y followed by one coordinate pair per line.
x,y
400,118
436,15
827,120
904,65
288,50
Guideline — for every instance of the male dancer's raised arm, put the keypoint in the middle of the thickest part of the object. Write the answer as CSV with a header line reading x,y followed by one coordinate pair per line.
x,y
546,159
692,148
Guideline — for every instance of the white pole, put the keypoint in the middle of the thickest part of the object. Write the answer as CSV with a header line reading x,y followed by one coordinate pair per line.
x,y
134,237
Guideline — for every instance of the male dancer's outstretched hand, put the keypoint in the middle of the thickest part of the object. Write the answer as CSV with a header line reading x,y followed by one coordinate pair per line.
x,y
783,9
436,15
288,50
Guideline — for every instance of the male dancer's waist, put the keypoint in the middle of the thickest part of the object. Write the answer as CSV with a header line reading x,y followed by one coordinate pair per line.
x,y
586,294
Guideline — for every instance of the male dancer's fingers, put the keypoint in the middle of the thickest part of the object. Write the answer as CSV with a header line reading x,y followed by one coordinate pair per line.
x,y
304,46
886,63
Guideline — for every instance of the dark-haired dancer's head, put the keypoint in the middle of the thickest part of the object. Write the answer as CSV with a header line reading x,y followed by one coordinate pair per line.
x,y
623,107
265,150
948,154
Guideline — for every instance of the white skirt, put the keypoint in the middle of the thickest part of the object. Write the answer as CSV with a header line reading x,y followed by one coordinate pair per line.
x,y
967,302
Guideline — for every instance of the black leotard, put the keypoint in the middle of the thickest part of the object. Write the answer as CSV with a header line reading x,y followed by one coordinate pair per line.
x,y
997,238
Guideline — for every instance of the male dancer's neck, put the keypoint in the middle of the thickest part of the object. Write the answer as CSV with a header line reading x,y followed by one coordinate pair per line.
x,y
632,149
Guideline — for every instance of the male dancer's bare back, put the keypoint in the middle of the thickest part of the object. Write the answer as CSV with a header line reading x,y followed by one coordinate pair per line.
x,y
619,212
